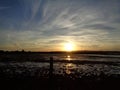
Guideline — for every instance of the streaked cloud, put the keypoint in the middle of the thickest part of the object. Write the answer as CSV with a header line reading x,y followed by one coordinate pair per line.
x,y
2,8
36,24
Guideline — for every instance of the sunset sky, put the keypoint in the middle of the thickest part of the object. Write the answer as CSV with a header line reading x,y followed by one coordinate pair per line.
x,y
46,25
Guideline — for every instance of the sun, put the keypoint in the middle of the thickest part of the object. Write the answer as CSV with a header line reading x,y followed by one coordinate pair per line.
x,y
68,46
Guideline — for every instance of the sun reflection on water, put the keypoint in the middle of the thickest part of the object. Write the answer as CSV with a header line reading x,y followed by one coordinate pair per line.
x,y
68,58
69,67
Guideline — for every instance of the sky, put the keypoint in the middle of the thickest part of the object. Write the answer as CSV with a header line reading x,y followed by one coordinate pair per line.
x,y
46,25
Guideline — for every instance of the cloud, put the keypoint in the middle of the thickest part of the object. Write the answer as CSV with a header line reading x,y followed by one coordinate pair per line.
x,y
32,12
3,8
47,22
100,27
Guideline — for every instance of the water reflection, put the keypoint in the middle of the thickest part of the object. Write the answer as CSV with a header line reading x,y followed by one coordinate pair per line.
x,y
69,67
68,58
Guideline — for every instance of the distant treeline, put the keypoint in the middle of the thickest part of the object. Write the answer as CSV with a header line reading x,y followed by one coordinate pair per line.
x,y
63,52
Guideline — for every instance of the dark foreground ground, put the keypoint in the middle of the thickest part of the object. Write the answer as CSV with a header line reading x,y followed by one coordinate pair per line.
x,y
60,83
10,80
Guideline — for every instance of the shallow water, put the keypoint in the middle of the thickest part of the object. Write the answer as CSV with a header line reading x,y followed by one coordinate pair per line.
x,y
74,70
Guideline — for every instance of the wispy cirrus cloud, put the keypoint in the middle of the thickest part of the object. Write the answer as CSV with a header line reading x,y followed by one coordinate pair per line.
x,y
89,23
4,7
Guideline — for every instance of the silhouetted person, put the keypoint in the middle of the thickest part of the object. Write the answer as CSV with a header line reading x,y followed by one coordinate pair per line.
x,y
51,67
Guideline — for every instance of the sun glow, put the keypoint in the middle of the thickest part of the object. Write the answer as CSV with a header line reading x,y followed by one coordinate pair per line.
x,y
68,46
